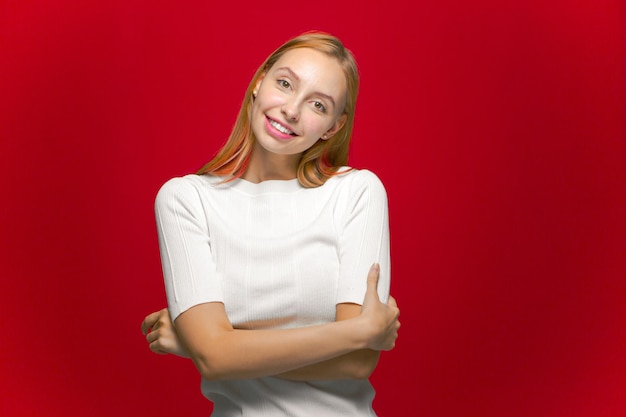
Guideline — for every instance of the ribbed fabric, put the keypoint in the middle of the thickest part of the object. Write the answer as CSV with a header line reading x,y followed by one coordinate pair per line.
x,y
278,256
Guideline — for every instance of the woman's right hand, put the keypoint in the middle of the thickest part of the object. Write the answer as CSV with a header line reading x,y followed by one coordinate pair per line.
x,y
161,334
382,318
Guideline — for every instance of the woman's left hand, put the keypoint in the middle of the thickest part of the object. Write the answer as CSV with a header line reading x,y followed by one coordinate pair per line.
x,y
161,334
383,318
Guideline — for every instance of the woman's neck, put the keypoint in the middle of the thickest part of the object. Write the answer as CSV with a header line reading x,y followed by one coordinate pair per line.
x,y
264,166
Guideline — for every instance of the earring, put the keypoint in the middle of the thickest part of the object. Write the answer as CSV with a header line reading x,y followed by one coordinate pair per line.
x,y
324,136
254,93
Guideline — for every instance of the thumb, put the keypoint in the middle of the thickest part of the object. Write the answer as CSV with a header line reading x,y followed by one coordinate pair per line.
x,y
149,322
371,294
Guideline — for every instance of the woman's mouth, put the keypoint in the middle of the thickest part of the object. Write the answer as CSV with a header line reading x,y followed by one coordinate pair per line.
x,y
279,127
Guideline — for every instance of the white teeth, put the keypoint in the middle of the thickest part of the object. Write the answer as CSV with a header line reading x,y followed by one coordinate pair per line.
x,y
281,128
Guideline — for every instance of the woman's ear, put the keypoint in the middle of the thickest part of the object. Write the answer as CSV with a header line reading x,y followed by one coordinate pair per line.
x,y
257,85
335,127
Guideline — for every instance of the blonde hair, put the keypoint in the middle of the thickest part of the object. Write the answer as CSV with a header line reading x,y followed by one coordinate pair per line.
x,y
325,157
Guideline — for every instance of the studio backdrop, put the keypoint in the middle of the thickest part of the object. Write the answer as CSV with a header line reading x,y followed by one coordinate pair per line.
x,y
497,128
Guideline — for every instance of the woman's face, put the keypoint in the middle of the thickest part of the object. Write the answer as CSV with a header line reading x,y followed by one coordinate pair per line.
x,y
299,101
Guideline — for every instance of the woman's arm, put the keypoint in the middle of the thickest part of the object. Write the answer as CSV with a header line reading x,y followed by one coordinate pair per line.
x,y
359,364
221,352
354,365
340,349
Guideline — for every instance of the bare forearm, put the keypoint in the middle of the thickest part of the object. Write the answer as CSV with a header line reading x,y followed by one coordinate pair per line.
x,y
242,354
307,350
358,364
354,365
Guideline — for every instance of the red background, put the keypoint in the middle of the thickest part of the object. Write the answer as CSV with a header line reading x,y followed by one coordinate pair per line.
x,y
497,127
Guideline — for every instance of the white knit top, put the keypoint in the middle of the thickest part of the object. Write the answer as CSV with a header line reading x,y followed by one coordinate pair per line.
x,y
278,256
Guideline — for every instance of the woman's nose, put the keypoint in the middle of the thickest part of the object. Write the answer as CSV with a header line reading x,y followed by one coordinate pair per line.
x,y
290,110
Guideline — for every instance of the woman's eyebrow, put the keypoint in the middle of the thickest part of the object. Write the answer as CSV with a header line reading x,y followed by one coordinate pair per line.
x,y
295,77
327,97
290,71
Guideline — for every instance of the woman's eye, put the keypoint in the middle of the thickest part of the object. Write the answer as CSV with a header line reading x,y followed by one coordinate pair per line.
x,y
284,83
319,106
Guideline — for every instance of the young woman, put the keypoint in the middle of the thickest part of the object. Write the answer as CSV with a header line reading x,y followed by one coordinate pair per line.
x,y
276,255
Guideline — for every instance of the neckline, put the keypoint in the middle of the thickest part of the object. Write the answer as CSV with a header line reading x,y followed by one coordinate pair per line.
x,y
275,186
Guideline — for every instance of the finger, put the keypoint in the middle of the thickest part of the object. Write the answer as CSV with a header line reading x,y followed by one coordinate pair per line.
x,y
155,342
149,321
392,302
156,348
372,282
152,336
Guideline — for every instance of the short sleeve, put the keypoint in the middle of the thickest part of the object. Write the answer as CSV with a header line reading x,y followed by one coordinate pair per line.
x,y
364,238
185,246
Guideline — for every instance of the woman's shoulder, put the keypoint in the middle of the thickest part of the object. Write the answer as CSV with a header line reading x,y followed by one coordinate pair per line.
x,y
191,180
358,179
187,187
180,184
358,191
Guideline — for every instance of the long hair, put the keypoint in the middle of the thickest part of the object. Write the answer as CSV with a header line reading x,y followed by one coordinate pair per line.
x,y
325,157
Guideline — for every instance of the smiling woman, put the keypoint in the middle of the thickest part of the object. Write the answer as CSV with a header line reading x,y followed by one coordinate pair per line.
x,y
294,108
323,158
276,255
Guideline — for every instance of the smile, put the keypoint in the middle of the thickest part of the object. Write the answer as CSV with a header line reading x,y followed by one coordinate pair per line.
x,y
280,127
